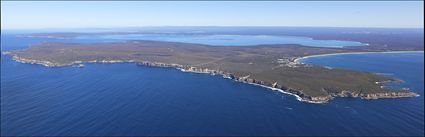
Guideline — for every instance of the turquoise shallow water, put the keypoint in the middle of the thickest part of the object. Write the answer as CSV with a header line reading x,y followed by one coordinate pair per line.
x,y
126,99
227,40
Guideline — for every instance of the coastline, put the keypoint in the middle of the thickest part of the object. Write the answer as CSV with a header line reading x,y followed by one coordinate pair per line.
x,y
300,96
190,69
299,60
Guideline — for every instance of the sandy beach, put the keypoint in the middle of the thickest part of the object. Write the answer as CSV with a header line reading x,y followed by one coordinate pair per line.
x,y
298,60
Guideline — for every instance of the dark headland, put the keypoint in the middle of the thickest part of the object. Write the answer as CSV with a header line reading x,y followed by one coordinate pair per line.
x,y
267,65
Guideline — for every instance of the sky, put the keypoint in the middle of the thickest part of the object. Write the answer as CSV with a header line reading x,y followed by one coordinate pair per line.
x,y
105,14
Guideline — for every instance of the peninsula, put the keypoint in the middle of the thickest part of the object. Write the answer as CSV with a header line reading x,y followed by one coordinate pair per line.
x,y
272,66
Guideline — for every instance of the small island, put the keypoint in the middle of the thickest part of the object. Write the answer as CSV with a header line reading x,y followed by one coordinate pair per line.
x,y
271,66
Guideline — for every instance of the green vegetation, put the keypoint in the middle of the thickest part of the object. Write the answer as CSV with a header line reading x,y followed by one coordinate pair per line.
x,y
269,65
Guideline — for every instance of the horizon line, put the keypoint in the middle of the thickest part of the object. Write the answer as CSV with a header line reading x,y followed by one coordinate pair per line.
x,y
114,27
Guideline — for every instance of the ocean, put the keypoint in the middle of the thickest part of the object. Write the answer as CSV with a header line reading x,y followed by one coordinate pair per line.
x,y
126,99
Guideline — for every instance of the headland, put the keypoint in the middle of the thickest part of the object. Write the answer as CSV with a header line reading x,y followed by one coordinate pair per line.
x,y
271,66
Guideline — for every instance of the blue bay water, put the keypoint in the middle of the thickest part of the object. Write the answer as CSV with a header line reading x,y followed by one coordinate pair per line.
x,y
226,40
407,66
126,99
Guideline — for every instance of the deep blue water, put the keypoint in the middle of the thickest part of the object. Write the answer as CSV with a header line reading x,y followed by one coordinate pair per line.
x,y
126,99
226,40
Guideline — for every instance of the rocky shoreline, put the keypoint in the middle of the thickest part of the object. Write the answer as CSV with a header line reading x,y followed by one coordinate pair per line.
x,y
298,94
51,64
245,79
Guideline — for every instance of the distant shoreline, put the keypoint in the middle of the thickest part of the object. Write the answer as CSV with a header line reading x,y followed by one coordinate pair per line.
x,y
298,60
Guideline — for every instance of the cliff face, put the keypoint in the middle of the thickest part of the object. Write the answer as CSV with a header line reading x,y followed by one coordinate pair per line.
x,y
388,95
33,61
